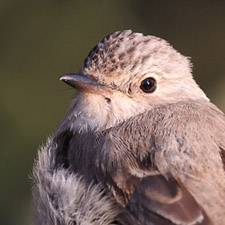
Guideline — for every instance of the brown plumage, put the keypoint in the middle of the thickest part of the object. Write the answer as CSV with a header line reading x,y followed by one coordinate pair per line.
x,y
158,156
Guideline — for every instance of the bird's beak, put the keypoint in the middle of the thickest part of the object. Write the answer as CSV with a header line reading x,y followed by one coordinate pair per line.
x,y
85,83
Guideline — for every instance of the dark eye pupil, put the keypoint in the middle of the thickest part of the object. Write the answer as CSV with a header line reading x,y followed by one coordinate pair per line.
x,y
148,85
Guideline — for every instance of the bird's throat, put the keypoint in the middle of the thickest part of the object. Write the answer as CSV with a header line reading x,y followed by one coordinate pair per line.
x,y
90,112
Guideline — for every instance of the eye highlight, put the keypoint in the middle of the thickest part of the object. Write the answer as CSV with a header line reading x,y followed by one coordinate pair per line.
x,y
148,85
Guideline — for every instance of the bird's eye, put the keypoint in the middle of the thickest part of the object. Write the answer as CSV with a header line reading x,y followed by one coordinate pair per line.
x,y
148,85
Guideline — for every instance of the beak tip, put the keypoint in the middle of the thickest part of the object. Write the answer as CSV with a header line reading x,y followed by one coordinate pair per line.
x,y
63,78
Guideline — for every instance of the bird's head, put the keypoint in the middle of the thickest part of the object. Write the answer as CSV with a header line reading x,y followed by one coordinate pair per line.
x,y
124,75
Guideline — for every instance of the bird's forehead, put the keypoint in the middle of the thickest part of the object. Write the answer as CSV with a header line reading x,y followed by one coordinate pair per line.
x,y
124,55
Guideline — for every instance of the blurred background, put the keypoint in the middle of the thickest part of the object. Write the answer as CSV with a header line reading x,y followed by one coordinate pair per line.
x,y
43,39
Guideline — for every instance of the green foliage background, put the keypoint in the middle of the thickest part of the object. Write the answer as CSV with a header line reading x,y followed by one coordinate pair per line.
x,y
43,39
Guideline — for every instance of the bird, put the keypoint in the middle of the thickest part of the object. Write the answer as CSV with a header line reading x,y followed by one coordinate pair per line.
x,y
140,139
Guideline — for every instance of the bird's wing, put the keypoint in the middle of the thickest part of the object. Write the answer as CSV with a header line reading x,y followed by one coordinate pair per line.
x,y
127,166
154,199
148,196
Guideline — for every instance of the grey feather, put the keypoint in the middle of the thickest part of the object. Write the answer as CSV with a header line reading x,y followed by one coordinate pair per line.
x,y
63,198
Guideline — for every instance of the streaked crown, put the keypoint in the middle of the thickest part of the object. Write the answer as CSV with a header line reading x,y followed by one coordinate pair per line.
x,y
123,55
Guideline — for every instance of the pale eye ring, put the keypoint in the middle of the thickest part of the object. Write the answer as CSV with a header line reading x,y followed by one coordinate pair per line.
x,y
148,85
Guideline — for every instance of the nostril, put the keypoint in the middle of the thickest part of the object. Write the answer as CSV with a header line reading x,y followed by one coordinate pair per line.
x,y
108,100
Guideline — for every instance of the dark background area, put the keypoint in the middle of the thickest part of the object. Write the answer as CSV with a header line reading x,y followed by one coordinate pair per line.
x,y
41,40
